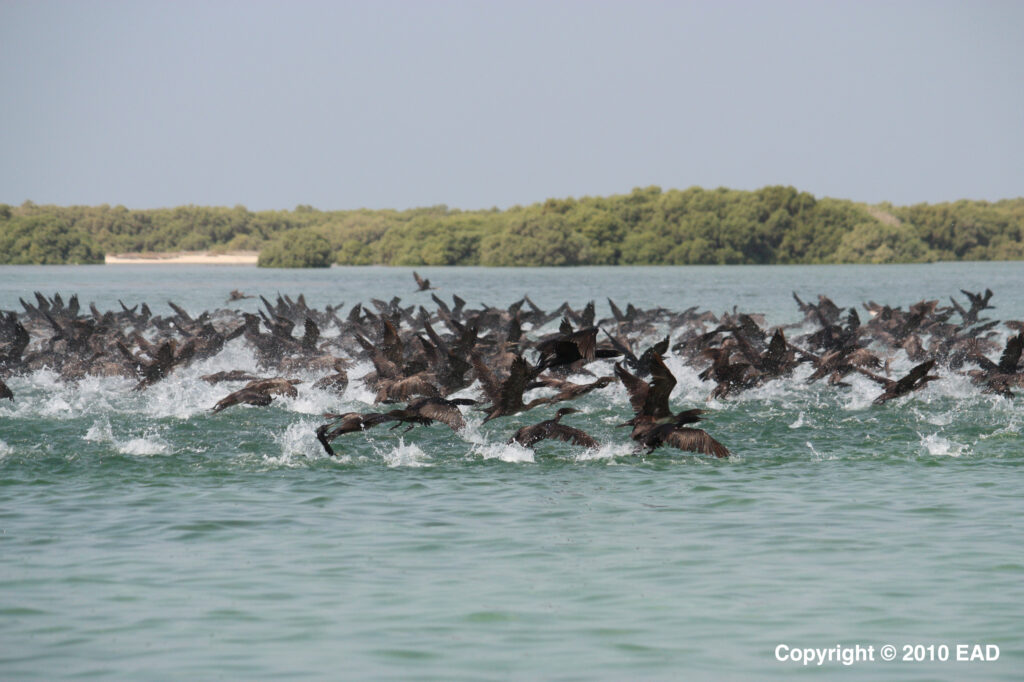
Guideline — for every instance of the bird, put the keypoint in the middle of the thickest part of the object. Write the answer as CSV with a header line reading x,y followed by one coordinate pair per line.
x,y
423,284
260,392
570,350
346,423
336,382
1001,378
916,379
426,411
404,388
568,390
229,375
641,365
507,396
653,433
528,436
655,424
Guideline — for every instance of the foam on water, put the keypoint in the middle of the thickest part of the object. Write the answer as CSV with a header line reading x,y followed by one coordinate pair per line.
x,y
149,443
506,452
472,432
5,449
934,418
817,455
405,455
315,401
100,432
357,389
178,398
297,444
936,444
860,395
607,451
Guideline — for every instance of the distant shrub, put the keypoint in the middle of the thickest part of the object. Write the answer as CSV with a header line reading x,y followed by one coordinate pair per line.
x,y
302,248
45,240
648,226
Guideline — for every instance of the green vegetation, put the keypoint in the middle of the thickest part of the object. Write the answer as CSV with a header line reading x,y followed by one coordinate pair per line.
x,y
647,226
302,248
45,239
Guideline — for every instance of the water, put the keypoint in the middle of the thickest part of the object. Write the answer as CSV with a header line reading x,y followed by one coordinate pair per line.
x,y
142,536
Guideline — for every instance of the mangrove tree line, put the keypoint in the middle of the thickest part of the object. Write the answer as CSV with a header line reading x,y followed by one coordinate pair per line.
x,y
775,224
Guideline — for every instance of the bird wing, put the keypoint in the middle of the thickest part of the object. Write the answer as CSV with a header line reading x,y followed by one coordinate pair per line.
x,y
444,413
661,347
874,377
244,395
636,387
165,355
487,379
586,342
623,348
179,311
775,355
526,436
276,385
512,388
311,334
688,417
661,385
385,368
914,376
1011,354
696,440
571,435
616,311
391,343
417,384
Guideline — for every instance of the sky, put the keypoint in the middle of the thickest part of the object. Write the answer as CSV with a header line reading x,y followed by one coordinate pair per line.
x,y
495,103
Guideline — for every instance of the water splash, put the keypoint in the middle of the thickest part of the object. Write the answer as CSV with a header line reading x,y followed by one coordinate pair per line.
x,y
936,444
149,443
511,452
100,432
406,455
818,457
297,444
607,451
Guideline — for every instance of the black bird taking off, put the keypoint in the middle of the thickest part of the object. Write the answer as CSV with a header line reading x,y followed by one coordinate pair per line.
x,y
654,424
528,436
423,284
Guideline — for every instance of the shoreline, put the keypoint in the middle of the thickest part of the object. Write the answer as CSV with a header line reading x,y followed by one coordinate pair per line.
x,y
183,258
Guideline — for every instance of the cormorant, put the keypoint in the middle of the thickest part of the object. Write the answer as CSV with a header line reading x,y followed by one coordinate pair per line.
x,y
655,424
528,436
260,392
347,423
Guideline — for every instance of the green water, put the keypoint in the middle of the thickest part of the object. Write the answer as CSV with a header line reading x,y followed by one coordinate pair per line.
x,y
142,537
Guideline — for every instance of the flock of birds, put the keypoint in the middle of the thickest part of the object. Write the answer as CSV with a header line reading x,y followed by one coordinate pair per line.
x,y
421,357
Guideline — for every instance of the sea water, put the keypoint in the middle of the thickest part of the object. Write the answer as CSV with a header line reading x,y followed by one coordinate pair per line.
x,y
143,537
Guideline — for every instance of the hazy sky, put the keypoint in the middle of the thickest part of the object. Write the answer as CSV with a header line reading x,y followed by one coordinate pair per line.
x,y
478,104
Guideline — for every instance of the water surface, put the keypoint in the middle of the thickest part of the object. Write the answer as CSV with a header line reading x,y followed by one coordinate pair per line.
x,y
142,536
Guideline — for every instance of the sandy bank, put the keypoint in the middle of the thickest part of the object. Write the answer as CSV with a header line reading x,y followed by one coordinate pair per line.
x,y
184,258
